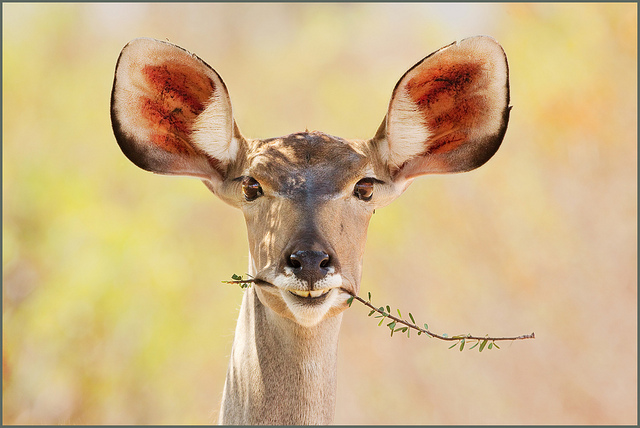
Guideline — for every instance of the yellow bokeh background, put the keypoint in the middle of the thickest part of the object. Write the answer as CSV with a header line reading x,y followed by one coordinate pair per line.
x,y
113,310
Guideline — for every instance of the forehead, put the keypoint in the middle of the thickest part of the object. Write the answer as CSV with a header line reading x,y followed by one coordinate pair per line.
x,y
306,162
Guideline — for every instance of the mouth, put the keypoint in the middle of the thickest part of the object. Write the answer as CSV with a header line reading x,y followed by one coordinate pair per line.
x,y
305,307
310,294
306,295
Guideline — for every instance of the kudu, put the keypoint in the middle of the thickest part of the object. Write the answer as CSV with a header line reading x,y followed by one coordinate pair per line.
x,y
307,199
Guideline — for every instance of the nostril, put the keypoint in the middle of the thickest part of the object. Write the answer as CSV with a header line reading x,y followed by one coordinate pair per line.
x,y
308,260
325,262
294,261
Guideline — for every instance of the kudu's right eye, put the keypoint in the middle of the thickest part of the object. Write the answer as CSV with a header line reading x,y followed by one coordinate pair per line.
x,y
251,189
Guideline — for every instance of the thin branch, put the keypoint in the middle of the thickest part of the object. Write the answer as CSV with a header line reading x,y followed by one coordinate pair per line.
x,y
460,339
437,336
239,281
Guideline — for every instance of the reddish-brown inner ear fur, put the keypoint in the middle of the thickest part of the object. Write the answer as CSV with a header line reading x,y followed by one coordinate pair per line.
x,y
176,95
444,93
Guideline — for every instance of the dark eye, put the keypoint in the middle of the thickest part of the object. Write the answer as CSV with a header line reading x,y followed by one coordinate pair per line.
x,y
251,189
363,189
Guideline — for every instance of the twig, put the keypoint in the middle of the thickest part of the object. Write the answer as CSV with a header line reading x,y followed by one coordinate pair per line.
x,y
458,338
237,279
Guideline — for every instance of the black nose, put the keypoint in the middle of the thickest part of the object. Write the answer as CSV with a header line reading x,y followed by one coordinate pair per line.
x,y
309,265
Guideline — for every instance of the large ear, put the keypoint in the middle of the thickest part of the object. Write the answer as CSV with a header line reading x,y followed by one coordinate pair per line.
x,y
171,112
449,112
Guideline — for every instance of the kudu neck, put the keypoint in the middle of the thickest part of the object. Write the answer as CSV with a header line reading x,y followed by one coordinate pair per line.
x,y
280,372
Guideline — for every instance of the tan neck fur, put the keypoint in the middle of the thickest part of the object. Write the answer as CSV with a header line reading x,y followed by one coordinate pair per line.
x,y
279,372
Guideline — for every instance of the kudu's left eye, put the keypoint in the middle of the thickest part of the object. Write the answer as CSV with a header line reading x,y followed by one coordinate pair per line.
x,y
251,189
363,189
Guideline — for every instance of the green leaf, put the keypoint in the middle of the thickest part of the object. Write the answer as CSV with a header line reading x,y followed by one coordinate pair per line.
x,y
445,335
350,300
391,325
411,316
426,326
452,345
476,344
419,332
399,314
490,345
388,309
461,345
369,295
496,345
380,323
484,343
236,277
372,312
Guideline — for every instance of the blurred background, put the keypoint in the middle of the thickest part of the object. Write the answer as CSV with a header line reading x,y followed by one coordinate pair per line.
x,y
113,310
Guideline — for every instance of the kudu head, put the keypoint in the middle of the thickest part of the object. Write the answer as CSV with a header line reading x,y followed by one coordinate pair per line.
x,y
307,198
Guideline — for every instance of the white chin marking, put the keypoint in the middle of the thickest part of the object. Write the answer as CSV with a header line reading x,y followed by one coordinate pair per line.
x,y
309,314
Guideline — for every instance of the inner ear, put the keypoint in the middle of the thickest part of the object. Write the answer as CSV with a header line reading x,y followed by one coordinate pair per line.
x,y
449,112
171,112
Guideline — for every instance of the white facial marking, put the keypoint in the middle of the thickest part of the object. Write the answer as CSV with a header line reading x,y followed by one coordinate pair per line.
x,y
310,315
307,314
288,280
